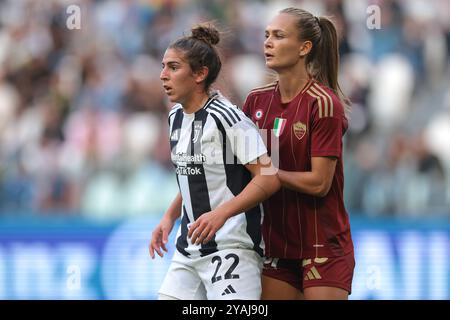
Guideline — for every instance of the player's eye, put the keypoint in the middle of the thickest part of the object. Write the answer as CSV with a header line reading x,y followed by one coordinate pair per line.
x,y
172,67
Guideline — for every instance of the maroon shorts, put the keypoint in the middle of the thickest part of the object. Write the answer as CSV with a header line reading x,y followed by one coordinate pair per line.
x,y
313,272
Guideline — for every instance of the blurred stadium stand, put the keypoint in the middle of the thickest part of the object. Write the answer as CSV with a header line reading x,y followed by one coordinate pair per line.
x,y
83,129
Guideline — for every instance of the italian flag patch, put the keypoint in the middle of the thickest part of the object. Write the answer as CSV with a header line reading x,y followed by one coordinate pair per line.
x,y
278,126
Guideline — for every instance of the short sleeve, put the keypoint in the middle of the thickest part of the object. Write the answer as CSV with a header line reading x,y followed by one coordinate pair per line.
x,y
247,106
326,133
246,141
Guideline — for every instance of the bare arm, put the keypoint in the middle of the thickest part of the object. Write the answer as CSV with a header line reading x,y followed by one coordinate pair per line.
x,y
316,182
174,211
264,183
161,233
261,187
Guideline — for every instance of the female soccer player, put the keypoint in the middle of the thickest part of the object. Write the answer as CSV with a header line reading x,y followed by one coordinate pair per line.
x,y
309,249
216,150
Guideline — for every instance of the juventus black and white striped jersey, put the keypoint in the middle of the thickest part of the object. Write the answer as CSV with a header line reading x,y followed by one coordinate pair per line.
x,y
209,149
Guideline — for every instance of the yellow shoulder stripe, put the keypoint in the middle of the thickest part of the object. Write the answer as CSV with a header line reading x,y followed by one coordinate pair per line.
x,y
264,88
324,100
319,89
319,101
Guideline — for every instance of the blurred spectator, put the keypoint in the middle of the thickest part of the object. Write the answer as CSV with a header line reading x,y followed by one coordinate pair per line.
x,y
83,126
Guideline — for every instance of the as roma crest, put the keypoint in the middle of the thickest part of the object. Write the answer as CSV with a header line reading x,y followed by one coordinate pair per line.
x,y
299,130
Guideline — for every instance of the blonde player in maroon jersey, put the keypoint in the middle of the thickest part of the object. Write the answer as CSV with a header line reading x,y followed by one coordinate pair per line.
x,y
309,249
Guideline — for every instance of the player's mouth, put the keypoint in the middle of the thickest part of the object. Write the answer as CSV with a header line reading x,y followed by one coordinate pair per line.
x,y
268,55
168,89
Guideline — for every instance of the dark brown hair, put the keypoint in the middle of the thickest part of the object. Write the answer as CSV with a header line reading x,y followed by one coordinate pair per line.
x,y
199,50
322,62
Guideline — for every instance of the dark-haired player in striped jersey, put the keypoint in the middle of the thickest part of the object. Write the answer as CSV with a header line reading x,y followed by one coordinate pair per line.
x,y
306,228
223,173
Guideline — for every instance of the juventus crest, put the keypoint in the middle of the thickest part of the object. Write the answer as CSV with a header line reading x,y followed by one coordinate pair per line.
x,y
197,131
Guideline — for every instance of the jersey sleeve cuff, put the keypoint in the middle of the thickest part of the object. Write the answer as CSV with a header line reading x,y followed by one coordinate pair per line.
x,y
328,153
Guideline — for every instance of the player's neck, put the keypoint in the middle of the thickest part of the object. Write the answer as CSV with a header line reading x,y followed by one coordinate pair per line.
x,y
194,103
291,82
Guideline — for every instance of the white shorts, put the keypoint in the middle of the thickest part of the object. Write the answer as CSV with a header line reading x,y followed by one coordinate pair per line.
x,y
224,275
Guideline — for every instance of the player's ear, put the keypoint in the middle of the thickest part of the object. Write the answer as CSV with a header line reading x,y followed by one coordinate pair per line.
x,y
305,48
201,74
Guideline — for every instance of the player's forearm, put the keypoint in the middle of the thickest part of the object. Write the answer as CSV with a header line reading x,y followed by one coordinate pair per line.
x,y
174,210
260,188
305,182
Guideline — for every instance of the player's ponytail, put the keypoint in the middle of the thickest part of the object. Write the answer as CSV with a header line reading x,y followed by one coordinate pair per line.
x,y
199,49
326,54
322,62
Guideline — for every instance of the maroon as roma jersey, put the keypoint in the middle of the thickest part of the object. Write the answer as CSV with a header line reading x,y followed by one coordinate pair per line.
x,y
297,225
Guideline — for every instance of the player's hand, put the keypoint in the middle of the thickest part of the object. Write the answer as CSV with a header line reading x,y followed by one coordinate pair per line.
x,y
206,226
160,237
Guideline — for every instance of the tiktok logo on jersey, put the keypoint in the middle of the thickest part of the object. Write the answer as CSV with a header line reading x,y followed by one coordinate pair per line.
x,y
188,171
188,165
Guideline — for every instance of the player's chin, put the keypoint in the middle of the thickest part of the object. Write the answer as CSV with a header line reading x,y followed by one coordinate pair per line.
x,y
172,98
270,63
274,65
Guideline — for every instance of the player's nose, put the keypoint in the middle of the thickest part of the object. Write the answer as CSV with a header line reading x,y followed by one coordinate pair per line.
x,y
163,75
